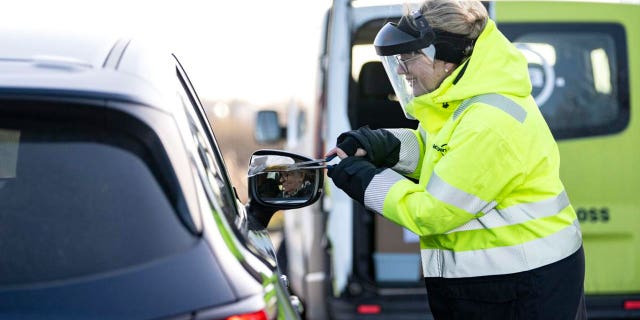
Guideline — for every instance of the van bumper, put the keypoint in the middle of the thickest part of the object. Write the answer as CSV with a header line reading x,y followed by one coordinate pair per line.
x,y
401,307
611,306
416,306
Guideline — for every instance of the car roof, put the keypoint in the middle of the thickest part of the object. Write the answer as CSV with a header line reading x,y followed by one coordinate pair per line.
x,y
85,65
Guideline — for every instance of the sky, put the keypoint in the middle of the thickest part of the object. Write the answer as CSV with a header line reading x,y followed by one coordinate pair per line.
x,y
258,51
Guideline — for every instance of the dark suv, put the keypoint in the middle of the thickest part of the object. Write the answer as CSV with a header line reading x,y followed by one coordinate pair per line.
x,y
114,198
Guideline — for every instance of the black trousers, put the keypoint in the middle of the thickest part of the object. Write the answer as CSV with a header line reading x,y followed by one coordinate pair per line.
x,y
555,291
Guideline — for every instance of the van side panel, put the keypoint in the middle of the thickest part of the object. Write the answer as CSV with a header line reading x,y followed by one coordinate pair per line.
x,y
601,171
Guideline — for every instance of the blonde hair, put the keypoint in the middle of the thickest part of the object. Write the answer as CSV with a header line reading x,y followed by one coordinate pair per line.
x,y
467,17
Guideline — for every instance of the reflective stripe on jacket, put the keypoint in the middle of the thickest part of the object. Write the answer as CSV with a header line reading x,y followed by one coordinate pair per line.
x,y
489,198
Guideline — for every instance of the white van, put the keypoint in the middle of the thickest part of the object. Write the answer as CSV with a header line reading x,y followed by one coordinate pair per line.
x,y
347,263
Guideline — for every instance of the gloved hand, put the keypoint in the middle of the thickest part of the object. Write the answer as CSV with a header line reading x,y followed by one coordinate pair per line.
x,y
382,147
353,175
349,145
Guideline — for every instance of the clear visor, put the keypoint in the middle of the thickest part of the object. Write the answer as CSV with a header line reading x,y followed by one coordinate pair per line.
x,y
401,71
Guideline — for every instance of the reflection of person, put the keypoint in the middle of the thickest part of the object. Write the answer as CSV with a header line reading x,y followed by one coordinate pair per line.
x,y
499,238
294,184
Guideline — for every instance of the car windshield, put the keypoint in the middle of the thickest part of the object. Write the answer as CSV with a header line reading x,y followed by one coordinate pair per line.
x,y
78,200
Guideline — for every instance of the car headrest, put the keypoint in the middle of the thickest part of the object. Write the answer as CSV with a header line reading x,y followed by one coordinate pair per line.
x,y
373,81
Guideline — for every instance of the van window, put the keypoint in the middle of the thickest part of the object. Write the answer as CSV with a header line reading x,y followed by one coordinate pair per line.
x,y
578,73
77,200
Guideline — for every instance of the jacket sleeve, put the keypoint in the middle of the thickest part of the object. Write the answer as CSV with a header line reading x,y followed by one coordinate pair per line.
x,y
467,182
412,144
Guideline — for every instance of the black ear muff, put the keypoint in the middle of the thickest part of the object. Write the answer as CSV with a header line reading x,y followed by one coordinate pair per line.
x,y
452,47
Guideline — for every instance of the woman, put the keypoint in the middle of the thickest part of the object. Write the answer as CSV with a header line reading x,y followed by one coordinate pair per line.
x,y
478,180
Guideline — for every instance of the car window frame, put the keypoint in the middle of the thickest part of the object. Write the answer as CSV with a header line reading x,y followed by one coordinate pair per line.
x,y
253,240
229,207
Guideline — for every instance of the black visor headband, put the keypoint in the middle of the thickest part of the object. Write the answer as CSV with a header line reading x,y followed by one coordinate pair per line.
x,y
413,33
402,37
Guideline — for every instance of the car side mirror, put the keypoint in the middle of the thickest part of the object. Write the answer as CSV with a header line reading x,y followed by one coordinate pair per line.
x,y
276,181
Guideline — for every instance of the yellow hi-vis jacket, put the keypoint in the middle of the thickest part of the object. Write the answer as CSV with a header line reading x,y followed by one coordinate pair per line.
x,y
489,199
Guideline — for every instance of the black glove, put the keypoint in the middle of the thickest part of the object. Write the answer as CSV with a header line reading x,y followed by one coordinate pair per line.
x,y
349,145
353,175
382,147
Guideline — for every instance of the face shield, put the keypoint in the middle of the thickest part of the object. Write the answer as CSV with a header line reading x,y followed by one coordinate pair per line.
x,y
397,67
401,46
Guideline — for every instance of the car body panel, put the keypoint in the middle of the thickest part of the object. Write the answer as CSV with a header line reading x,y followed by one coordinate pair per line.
x,y
139,292
52,77
62,64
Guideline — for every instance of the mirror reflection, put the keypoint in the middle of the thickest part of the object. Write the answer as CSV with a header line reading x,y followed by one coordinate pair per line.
x,y
279,180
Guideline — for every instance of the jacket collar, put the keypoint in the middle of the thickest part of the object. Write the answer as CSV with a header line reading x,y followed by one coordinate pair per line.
x,y
495,66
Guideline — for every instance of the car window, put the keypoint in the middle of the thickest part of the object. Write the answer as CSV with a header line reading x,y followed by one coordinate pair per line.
x,y
579,75
208,151
78,200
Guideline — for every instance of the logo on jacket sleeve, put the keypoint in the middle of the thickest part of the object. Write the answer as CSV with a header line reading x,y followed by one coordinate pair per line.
x,y
442,149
